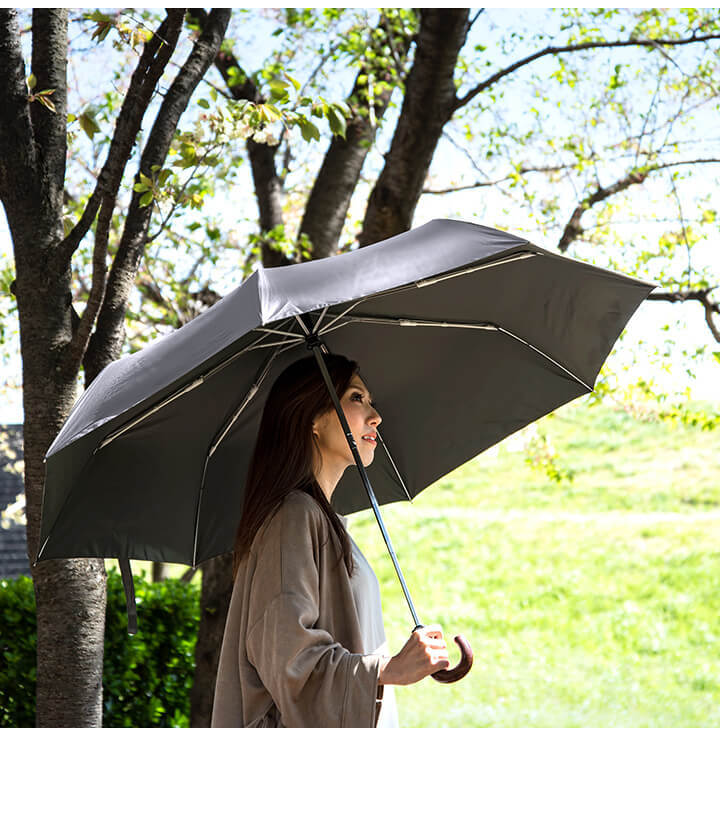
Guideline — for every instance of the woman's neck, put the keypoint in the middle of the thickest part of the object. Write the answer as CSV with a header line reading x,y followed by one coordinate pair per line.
x,y
328,477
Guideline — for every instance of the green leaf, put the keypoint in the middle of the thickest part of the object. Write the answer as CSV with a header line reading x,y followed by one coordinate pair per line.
x,y
295,83
278,86
88,123
308,130
337,122
203,103
268,113
146,199
31,81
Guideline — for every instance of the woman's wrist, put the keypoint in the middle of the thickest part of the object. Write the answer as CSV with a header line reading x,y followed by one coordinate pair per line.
x,y
383,677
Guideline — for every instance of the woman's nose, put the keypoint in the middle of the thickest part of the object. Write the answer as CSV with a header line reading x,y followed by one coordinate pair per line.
x,y
375,417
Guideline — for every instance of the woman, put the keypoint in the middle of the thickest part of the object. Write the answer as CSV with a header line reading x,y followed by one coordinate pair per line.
x,y
304,643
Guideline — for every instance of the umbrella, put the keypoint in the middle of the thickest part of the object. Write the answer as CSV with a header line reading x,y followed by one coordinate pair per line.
x,y
495,331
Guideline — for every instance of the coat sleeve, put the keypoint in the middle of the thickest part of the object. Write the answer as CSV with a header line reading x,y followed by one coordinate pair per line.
x,y
313,680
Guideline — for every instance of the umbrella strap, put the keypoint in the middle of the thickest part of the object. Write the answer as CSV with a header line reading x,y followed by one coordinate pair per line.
x,y
129,584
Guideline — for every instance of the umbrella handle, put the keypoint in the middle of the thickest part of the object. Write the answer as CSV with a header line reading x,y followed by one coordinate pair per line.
x,y
463,666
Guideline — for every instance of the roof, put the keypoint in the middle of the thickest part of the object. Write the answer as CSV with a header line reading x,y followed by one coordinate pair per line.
x,y
13,542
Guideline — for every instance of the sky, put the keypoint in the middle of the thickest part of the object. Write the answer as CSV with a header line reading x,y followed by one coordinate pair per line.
x,y
486,206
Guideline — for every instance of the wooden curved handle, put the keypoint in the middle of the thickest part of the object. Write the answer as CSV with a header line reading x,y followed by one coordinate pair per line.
x,y
463,666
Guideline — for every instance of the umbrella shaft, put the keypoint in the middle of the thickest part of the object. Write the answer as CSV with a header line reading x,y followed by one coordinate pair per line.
x,y
363,475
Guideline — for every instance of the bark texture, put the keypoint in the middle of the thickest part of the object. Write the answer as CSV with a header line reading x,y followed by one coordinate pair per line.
x,y
70,595
427,107
143,84
217,584
327,206
106,343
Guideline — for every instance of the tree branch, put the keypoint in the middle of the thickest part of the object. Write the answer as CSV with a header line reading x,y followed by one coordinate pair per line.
x,y
491,183
267,183
106,343
701,295
327,206
49,61
427,107
574,230
266,180
153,61
634,42
18,155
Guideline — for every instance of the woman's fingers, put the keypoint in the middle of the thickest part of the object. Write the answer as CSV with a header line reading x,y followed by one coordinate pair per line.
x,y
435,649
436,644
431,637
424,654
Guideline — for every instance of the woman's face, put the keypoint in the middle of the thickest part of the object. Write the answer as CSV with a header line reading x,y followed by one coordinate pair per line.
x,y
363,420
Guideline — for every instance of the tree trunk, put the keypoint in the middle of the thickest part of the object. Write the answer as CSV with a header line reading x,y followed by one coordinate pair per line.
x,y
70,595
427,107
217,584
268,185
328,203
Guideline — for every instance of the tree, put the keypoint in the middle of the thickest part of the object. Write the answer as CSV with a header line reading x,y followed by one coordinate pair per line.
x,y
557,126
70,595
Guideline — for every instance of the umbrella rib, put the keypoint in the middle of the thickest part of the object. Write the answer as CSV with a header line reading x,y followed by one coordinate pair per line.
x,y
390,458
422,283
197,382
516,257
254,387
545,355
320,318
336,317
392,462
186,389
253,390
404,322
282,332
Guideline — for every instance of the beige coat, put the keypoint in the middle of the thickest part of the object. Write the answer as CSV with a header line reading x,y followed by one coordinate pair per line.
x,y
291,650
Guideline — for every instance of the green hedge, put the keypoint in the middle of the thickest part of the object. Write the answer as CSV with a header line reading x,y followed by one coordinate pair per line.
x,y
146,678
17,653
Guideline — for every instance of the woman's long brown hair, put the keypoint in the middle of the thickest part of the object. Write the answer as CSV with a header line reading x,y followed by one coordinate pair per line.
x,y
285,449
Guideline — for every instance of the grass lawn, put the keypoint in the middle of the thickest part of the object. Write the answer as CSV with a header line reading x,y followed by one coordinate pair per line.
x,y
590,602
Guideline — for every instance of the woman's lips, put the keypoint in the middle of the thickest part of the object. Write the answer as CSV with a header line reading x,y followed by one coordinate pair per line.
x,y
370,441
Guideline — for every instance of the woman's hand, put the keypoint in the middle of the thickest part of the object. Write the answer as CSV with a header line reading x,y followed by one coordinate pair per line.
x,y
424,653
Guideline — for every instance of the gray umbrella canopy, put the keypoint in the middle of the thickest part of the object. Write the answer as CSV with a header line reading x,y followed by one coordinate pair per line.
x,y
464,335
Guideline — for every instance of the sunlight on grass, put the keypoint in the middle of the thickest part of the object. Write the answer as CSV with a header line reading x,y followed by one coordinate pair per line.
x,y
587,603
